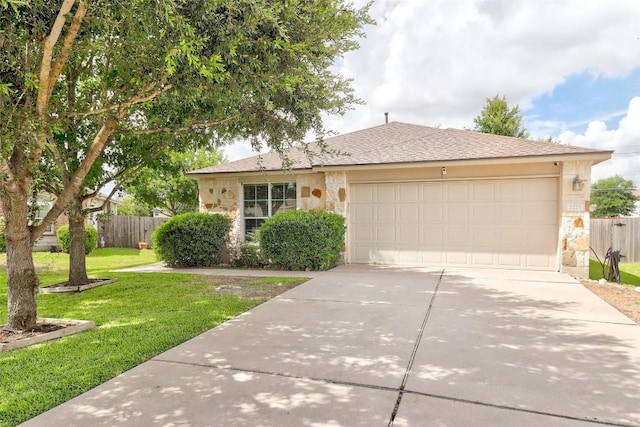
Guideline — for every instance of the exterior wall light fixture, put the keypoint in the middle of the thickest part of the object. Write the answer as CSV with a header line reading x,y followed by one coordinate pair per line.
x,y
577,184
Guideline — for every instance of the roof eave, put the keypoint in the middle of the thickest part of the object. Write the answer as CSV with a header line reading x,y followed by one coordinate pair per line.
x,y
594,157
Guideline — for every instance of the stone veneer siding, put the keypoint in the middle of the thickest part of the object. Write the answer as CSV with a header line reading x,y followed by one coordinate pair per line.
x,y
336,183
311,194
222,196
574,219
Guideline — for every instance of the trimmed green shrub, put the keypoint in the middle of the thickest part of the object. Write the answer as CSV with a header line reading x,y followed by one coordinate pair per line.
x,y
192,239
250,256
3,243
90,238
299,240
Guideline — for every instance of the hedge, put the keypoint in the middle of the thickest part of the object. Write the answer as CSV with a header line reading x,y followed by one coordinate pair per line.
x,y
299,240
90,238
192,239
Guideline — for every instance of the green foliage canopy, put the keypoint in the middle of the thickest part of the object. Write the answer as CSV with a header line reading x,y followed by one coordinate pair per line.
x,y
130,207
498,119
163,184
612,196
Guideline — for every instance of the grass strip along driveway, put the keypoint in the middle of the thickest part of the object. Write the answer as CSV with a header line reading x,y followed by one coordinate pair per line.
x,y
138,317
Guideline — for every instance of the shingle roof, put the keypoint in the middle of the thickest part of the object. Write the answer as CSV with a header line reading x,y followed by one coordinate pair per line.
x,y
404,143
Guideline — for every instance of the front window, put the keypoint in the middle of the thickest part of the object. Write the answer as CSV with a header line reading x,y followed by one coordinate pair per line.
x,y
262,201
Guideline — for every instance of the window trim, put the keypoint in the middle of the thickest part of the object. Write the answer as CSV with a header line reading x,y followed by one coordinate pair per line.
x,y
269,200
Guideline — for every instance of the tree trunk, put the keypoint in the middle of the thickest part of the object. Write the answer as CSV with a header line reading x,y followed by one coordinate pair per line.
x,y
77,255
22,282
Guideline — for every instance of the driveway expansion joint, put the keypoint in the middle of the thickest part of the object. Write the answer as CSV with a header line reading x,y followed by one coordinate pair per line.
x,y
347,302
280,375
515,409
415,351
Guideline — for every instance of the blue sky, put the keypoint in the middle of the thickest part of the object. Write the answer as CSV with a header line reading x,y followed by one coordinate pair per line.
x,y
584,98
573,67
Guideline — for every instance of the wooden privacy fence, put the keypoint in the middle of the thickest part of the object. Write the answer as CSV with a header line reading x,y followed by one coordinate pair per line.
x,y
127,231
621,234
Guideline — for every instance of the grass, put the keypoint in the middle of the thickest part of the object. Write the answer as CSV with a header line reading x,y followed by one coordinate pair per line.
x,y
138,317
629,272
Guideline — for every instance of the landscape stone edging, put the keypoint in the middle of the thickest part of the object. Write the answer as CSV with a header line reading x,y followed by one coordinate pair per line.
x,y
64,289
82,325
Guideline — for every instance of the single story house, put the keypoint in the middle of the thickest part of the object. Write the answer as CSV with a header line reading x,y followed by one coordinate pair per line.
x,y
422,196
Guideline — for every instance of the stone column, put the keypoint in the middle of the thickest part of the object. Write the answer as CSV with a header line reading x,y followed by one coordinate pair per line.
x,y
336,184
574,227
222,196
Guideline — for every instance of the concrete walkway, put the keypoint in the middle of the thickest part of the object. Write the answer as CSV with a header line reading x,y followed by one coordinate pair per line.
x,y
365,346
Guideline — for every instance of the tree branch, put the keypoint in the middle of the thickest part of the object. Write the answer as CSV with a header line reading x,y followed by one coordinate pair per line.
x,y
76,182
192,126
66,47
120,107
47,56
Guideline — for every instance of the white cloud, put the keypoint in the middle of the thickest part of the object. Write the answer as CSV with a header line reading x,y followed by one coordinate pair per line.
x,y
625,140
434,62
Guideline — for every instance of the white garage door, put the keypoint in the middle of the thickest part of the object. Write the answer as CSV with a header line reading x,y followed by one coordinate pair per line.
x,y
484,223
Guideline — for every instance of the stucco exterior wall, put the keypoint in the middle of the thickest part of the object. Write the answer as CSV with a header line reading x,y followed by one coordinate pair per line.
x,y
574,218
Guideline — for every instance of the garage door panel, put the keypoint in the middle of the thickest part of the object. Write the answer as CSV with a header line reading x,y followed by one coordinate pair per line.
x,y
457,258
511,190
534,235
362,233
482,213
408,193
457,236
540,212
483,236
433,235
483,191
485,259
385,213
362,214
458,191
362,194
409,213
385,234
492,223
543,189
509,213
386,193
457,212
509,237
432,192
432,213
510,260
408,234
540,261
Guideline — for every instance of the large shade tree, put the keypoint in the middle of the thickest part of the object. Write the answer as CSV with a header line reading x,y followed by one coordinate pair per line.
x,y
110,82
499,119
613,196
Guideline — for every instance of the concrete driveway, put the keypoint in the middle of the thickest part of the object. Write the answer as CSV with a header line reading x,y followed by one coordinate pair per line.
x,y
367,346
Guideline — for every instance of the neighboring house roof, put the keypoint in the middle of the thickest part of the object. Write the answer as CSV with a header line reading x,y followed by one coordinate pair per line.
x,y
397,143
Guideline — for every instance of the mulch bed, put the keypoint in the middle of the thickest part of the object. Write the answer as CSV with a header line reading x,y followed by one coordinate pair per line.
x,y
7,336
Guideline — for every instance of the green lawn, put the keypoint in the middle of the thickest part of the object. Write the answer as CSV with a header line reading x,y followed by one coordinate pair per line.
x,y
629,272
138,317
